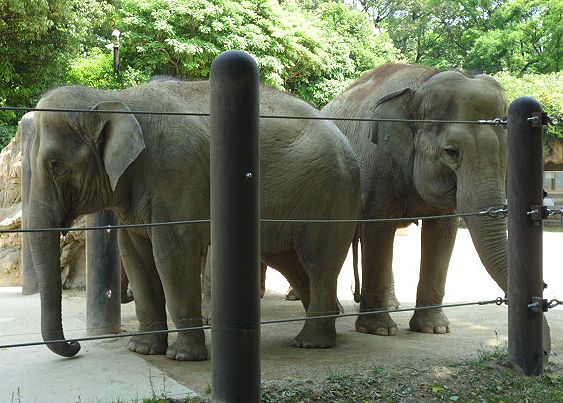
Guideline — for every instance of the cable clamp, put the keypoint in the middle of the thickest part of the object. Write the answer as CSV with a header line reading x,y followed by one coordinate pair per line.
x,y
538,305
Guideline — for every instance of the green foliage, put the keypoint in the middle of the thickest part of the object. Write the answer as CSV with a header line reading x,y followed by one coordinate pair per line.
x,y
486,35
546,88
294,49
96,70
38,38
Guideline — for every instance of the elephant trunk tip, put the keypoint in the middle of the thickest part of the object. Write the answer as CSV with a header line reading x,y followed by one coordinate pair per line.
x,y
65,348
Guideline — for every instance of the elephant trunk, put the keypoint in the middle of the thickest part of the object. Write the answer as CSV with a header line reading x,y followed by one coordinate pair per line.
x,y
488,234
45,249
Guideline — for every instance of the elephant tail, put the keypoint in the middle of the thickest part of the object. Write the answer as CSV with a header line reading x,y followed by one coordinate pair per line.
x,y
357,293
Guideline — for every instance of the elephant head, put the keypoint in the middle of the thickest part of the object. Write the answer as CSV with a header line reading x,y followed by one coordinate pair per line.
x,y
77,160
455,166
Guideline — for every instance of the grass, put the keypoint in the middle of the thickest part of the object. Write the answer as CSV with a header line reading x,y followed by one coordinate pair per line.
x,y
486,378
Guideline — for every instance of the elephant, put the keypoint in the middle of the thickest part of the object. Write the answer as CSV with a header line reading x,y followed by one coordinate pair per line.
x,y
426,169
151,168
26,130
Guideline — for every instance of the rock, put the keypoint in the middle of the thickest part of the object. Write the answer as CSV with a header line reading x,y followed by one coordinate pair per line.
x,y
553,155
10,273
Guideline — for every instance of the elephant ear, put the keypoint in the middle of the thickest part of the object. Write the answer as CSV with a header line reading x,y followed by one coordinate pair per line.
x,y
397,138
121,139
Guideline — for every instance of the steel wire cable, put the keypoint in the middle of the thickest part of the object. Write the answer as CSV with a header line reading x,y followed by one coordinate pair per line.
x,y
492,212
492,122
498,301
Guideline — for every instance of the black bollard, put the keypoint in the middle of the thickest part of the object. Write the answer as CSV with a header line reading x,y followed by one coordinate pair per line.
x,y
27,132
235,210
103,276
525,237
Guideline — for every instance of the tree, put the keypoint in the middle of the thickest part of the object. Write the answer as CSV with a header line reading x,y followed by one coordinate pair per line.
x,y
486,35
295,49
38,38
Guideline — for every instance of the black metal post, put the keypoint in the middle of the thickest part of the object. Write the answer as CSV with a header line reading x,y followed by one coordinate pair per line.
x,y
103,276
525,237
27,131
235,250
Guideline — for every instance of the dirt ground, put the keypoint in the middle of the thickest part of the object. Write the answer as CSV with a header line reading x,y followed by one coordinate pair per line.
x,y
473,328
106,366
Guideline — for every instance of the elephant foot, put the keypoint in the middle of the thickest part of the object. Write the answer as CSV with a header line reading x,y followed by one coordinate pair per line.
x,y
292,295
188,347
320,333
153,344
430,321
379,324
206,311
393,302
127,296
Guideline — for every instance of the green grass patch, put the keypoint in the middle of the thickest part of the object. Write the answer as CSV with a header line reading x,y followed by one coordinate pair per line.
x,y
486,378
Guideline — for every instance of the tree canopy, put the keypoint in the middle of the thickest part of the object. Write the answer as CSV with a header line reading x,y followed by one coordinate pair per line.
x,y
312,48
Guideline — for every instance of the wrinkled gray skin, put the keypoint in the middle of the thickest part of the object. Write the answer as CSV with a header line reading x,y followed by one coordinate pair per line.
x,y
414,169
151,169
27,126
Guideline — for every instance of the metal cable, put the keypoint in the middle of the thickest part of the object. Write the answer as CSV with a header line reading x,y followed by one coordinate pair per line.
x,y
105,227
498,301
553,303
492,212
492,122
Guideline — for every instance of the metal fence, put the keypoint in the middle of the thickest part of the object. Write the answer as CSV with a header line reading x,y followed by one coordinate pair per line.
x,y
525,212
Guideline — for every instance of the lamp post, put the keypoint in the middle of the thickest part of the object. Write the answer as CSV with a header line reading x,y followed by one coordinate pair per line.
x,y
116,64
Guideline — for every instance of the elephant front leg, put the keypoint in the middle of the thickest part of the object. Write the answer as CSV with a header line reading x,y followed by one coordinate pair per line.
x,y
179,266
438,238
377,257
138,262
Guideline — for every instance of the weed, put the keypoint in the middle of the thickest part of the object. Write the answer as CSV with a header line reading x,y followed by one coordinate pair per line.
x,y
16,396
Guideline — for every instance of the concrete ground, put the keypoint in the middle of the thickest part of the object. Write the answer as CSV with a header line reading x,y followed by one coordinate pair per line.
x,y
105,371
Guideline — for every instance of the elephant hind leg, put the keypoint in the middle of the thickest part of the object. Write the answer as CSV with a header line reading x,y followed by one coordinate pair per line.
x,y
288,264
317,332
317,289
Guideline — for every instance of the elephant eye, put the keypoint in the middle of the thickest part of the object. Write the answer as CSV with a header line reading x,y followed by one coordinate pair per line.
x,y
58,167
451,152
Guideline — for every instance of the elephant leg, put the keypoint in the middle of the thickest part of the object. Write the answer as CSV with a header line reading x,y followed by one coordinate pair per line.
x,y
320,333
263,268
178,260
377,258
126,291
437,243
206,287
393,302
288,264
138,261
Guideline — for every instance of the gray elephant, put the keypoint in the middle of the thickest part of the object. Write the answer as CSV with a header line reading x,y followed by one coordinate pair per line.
x,y
151,169
425,169
26,130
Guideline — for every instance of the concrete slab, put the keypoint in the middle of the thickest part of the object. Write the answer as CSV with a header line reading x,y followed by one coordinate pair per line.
x,y
105,371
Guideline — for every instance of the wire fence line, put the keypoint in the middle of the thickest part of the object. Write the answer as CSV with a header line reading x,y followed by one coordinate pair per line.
x,y
498,301
492,122
492,212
